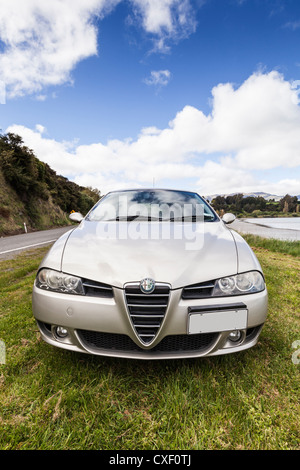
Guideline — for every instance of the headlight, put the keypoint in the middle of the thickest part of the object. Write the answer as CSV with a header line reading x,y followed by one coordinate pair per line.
x,y
56,281
246,283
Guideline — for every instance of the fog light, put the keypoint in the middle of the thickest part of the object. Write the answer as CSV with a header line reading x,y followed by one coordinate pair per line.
x,y
235,336
61,332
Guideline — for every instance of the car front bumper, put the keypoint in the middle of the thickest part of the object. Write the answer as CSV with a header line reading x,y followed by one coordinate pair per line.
x,y
103,326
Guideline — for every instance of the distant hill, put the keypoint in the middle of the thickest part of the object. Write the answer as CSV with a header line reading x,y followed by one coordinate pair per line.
x,y
32,193
266,196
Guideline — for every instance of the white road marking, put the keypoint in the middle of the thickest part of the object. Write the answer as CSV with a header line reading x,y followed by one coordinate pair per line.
x,y
25,247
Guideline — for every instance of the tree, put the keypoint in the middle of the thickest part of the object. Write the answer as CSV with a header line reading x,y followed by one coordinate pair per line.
x,y
219,203
288,203
33,180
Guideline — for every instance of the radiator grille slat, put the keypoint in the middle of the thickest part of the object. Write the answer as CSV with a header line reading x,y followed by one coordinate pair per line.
x,y
147,311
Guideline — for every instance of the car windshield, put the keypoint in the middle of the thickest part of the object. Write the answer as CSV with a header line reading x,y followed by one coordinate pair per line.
x,y
152,205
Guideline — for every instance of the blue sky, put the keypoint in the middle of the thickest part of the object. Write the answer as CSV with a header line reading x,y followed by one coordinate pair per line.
x,y
194,94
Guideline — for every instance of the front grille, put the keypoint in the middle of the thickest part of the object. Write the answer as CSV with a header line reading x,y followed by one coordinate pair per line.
x,y
97,289
147,311
198,291
169,344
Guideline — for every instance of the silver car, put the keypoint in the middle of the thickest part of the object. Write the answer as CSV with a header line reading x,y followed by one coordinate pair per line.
x,y
151,274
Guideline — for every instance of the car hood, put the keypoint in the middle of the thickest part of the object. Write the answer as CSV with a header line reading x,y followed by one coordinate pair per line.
x,y
192,253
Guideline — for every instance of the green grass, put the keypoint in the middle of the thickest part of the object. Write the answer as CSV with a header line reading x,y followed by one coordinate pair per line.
x,y
272,244
54,399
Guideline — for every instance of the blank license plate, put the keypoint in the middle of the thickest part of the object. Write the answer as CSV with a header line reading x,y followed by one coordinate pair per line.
x,y
212,322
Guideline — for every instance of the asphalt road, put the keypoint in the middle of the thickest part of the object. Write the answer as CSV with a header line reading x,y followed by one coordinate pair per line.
x,y
11,246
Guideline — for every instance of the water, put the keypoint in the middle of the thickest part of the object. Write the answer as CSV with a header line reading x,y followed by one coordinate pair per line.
x,y
291,223
285,228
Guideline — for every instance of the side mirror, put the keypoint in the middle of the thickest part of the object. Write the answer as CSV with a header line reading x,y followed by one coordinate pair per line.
x,y
76,216
228,218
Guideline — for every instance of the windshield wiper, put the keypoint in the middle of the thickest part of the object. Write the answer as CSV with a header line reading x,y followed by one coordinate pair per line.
x,y
192,218
189,218
126,218
130,218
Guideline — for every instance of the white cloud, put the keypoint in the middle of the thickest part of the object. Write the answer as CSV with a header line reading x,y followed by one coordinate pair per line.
x,y
293,25
2,92
251,128
259,121
41,129
41,97
158,78
166,20
43,41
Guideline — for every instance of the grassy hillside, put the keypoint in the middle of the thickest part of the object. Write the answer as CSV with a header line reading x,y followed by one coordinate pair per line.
x,y
32,193
14,212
